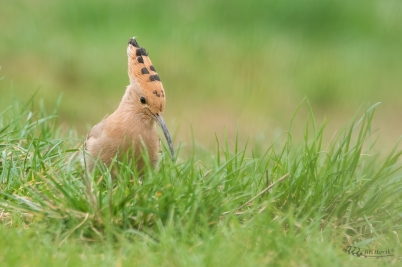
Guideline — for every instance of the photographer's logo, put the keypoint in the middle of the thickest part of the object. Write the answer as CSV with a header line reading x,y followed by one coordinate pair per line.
x,y
368,253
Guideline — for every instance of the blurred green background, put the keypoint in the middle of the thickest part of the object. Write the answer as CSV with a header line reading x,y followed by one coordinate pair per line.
x,y
224,64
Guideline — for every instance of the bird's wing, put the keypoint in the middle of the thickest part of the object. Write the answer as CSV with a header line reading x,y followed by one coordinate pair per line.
x,y
95,133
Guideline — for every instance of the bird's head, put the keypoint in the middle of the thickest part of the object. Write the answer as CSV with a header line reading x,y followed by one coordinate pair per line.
x,y
149,95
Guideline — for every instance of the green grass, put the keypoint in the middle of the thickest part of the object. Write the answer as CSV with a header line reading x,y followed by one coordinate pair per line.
x,y
197,211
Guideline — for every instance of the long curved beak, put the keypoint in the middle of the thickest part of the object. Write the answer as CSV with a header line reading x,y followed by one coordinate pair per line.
x,y
158,117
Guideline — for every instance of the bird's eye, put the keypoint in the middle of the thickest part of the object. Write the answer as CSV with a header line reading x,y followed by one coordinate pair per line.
x,y
143,101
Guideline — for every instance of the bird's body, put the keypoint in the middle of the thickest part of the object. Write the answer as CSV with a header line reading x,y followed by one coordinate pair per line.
x,y
132,126
118,133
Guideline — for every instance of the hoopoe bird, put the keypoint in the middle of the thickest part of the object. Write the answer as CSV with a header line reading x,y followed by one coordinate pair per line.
x,y
132,127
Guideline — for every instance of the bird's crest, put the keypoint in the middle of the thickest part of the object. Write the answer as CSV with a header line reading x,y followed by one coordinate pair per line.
x,y
141,70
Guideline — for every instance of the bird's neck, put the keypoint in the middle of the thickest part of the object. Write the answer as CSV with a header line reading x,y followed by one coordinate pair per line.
x,y
131,117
